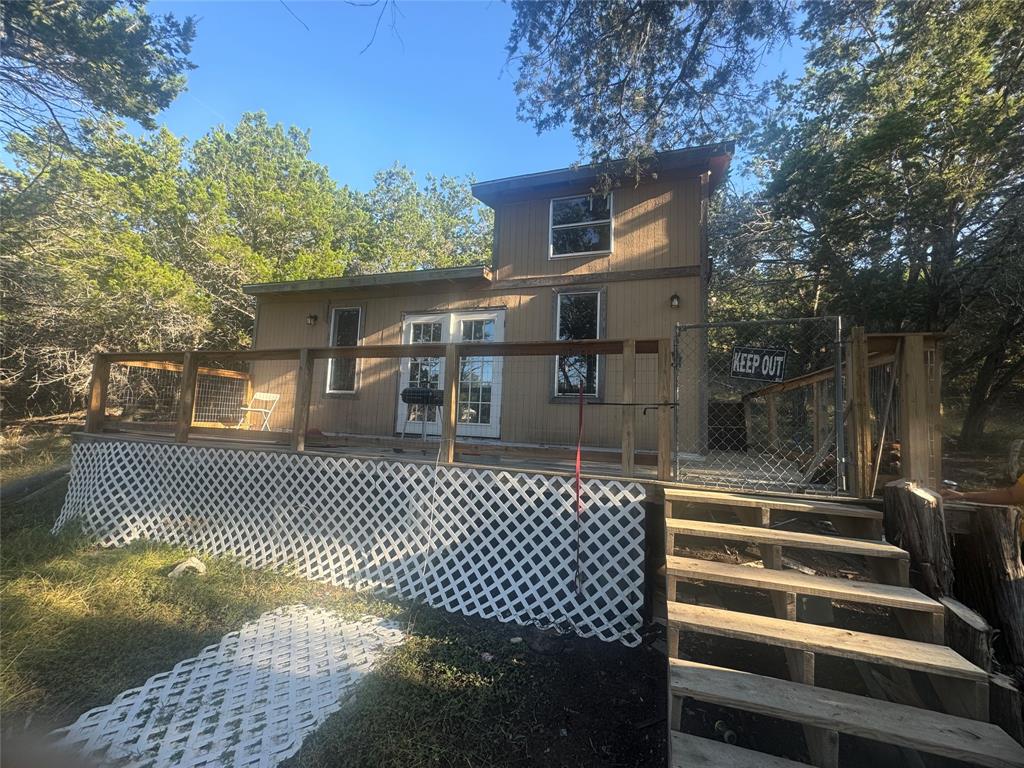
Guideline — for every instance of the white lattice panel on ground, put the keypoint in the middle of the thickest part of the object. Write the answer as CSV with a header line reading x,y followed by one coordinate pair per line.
x,y
483,542
246,702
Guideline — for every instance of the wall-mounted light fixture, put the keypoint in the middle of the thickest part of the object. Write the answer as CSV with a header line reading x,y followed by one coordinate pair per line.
x,y
674,301
311,319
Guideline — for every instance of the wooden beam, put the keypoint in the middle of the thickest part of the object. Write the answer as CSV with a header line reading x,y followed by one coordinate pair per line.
x,y
915,458
665,410
97,407
597,278
773,421
160,365
628,411
303,390
451,403
466,349
187,398
807,379
860,413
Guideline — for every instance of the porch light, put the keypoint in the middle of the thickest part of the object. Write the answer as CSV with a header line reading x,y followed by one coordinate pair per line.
x,y
674,301
311,319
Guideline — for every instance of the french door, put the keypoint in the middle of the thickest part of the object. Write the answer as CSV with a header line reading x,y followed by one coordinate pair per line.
x,y
478,413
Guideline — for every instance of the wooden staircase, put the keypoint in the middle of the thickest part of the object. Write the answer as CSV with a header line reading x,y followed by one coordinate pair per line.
x,y
960,731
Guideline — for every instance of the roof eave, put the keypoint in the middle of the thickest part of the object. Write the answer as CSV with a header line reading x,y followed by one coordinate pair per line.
x,y
697,159
362,282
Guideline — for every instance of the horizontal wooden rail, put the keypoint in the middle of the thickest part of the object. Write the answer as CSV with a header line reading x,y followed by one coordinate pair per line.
x,y
159,365
465,349
190,364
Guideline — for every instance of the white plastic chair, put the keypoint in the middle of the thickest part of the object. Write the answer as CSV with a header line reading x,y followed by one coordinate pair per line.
x,y
269,399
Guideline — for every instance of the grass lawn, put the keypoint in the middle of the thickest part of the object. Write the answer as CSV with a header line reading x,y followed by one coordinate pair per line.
x,y
80,624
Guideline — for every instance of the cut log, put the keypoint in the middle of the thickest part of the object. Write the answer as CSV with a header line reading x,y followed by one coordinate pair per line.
x,y
914,521
990,574
1006,705
968,633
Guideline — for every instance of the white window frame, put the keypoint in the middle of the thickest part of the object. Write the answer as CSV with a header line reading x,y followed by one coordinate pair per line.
x,y
558,337
330,361
610,221
451,326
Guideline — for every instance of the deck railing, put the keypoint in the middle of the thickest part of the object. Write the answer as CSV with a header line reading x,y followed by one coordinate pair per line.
x,y
628,389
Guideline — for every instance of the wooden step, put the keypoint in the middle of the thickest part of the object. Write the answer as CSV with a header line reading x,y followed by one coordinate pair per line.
x,y
694,752
921,729
755,535
783,504
828,641
693,569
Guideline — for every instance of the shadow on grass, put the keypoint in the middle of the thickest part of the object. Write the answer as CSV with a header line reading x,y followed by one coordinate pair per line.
x,y
460,692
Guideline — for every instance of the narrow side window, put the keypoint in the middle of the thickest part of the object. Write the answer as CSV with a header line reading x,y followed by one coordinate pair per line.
x,y
341,372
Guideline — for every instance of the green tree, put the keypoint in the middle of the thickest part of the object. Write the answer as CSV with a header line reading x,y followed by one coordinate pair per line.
x,y
897,164
64,60
438,225
145,243
632,76
281,204
78,273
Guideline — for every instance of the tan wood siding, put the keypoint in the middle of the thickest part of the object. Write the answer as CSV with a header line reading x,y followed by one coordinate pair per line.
x,y
654,225
634,309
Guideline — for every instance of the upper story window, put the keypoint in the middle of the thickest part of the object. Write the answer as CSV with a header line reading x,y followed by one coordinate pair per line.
x,y
341,371
581,225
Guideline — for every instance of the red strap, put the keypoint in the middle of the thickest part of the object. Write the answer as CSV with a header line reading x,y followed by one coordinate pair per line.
x,y
579,495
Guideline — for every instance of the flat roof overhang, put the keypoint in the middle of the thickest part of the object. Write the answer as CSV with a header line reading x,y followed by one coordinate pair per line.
x,y
431,279
677,162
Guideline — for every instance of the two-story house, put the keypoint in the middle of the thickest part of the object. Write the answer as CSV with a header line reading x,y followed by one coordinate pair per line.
x,y
568,263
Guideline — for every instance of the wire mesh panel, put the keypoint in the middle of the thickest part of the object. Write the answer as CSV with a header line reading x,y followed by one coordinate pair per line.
x,y
144,394
757,405
220,398
148,392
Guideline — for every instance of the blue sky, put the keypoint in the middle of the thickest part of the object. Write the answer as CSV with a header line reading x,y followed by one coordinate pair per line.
x,y
436,98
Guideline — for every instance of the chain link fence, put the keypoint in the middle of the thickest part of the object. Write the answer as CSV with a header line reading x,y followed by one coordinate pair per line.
x,y
758,403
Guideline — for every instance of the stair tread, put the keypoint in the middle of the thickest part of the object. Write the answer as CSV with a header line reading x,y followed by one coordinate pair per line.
x,y
784,504
793,539
932,732
830,641
696,752
801,583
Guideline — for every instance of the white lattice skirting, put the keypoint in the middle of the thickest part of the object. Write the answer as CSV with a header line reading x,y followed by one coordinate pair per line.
x,y
246,702
496,544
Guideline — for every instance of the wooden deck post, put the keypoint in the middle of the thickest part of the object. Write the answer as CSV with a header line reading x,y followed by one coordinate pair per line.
x,y
915,459
628,410
773,421
820,421
860,413
451,403
303,391
665,419
97,407
187,398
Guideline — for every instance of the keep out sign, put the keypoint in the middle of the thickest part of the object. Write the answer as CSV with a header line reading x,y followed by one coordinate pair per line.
x,y
758,364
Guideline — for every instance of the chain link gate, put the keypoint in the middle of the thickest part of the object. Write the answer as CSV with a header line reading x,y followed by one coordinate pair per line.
x,y
757,404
